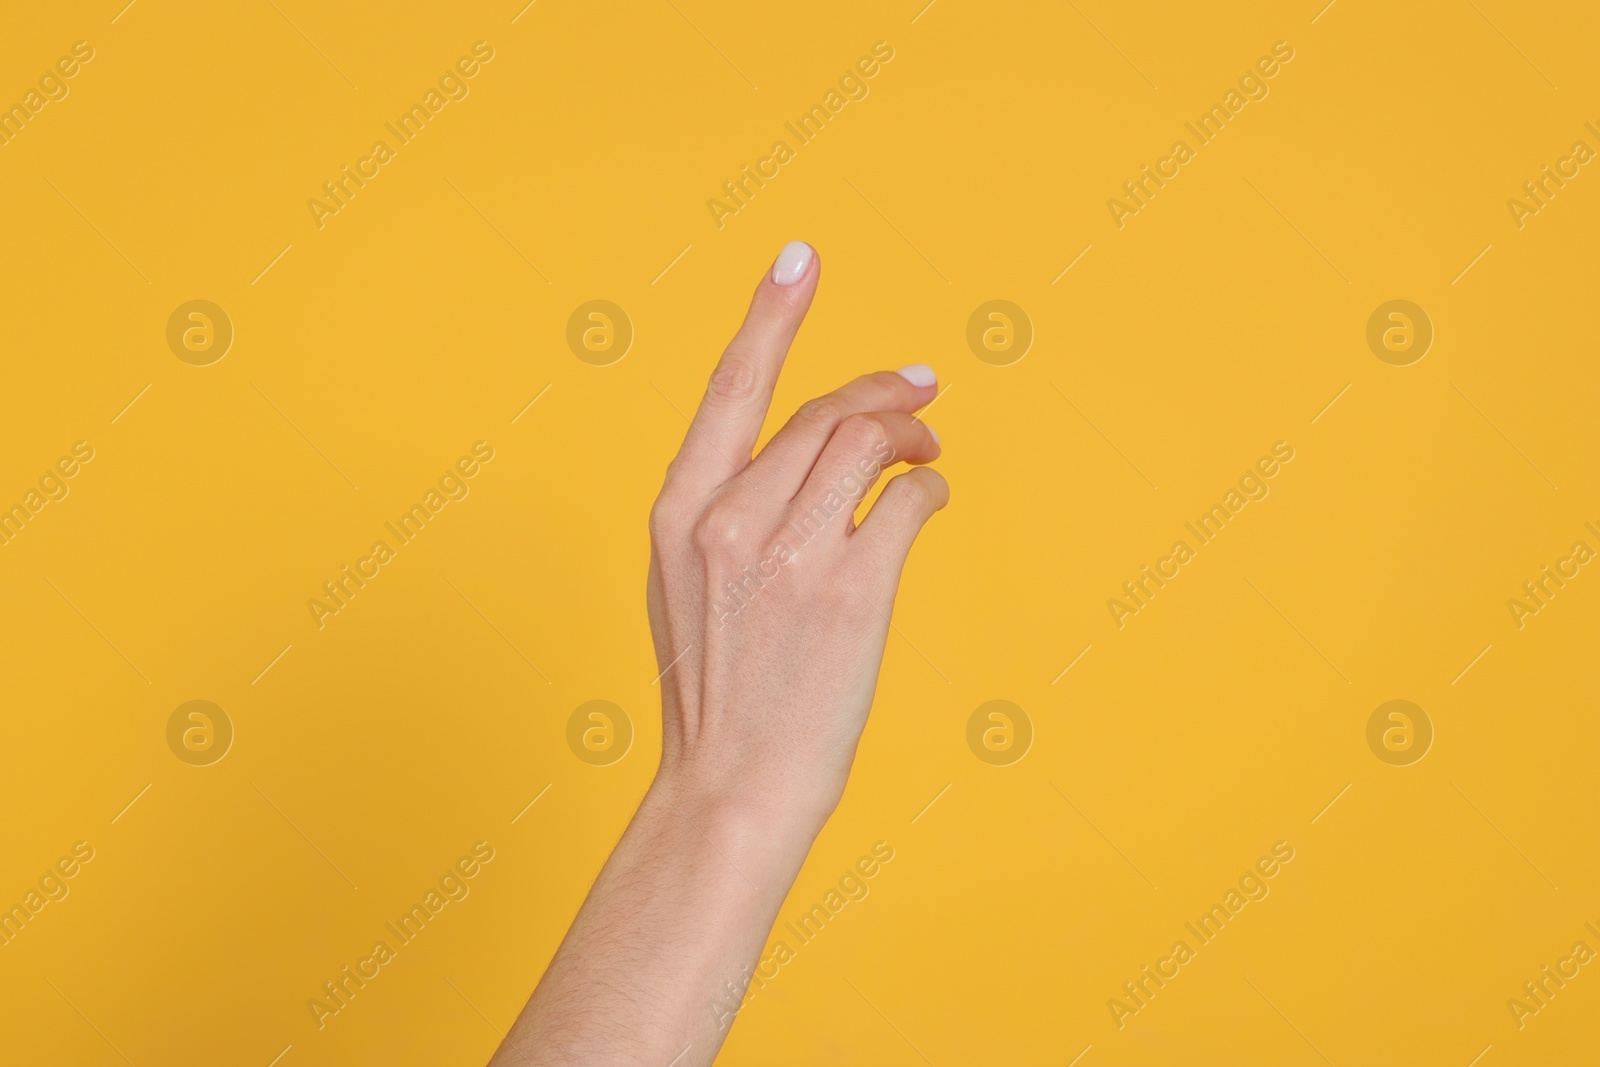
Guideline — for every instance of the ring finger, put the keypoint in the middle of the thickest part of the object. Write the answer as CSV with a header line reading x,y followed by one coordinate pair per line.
x,y
855,456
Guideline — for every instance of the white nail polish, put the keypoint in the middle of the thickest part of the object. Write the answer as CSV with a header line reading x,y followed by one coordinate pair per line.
x,y
935,434
918,374
792,263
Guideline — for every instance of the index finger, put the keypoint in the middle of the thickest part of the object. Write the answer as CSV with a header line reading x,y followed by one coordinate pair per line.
x,y
723,433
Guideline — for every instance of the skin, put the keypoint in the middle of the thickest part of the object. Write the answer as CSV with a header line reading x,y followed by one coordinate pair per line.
x,y
762,707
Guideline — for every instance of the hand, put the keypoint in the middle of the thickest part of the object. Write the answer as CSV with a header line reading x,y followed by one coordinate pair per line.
x,y
769,606
770,609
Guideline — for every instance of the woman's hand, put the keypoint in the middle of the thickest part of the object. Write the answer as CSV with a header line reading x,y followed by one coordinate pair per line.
x,y
769,606
770,609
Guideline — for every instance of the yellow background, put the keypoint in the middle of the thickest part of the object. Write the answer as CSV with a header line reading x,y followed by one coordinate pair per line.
x,y
425,716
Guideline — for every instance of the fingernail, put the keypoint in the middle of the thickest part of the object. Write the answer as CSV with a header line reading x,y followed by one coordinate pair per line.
x,y
918,374
935,434
792,262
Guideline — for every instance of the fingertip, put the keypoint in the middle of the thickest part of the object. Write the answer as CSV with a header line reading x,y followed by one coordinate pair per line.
x,y
935,485
784,294
778,307
793,263
920,375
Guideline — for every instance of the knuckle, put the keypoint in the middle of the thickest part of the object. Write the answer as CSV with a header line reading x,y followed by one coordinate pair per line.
x,y
662,519
825,411
718,529
733,381
864,433
889,382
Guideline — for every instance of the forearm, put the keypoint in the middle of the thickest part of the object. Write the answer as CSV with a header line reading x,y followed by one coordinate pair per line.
x,y
680,910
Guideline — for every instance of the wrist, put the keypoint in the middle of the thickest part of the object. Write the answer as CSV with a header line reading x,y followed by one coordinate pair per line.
x,y
763,833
